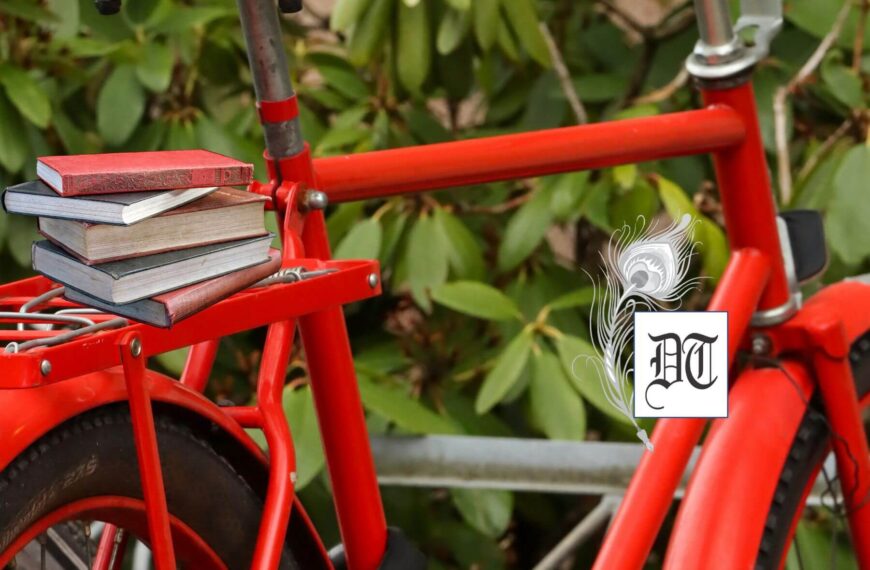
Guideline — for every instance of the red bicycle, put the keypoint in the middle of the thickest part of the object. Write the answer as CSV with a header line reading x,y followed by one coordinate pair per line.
x,y
90,434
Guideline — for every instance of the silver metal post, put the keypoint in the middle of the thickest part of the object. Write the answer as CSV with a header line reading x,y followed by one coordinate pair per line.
x,y
714,22
262,30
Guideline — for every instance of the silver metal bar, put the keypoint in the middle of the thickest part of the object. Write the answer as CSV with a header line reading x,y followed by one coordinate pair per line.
x,y
46,318
714,22
262,30
535,465
38,300
507,463
590,524
14,347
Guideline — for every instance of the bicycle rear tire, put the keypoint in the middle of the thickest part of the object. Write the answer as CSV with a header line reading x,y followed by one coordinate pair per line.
x,y
203,490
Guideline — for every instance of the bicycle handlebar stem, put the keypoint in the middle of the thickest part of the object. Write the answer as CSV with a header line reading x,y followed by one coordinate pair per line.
x,y
721,52
270,72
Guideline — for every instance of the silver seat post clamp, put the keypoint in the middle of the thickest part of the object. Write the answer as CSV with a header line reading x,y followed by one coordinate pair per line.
x,y
721,51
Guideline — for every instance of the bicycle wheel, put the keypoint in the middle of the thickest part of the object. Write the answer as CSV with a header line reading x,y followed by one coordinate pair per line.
x,y
808,450
86,471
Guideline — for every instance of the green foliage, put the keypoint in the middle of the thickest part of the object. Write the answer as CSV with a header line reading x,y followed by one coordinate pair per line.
x,y
483,326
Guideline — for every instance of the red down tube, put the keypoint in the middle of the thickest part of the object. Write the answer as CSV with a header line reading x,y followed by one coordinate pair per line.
x,y
476,161
651,491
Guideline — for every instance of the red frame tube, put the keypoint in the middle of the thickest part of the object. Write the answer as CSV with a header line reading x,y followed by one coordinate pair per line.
x,y
651,491
145,436
522,155
746,193
282,461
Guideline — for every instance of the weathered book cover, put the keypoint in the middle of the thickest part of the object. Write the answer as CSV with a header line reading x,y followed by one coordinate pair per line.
x,y
169,308
225,215
111,173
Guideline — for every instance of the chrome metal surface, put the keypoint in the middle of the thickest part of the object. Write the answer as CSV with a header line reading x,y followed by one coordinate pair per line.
x,y
784,312
722,52
45,367
262,31
536,465
67,336
315,200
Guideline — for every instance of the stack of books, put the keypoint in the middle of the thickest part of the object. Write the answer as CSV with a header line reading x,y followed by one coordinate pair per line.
x,y
153,236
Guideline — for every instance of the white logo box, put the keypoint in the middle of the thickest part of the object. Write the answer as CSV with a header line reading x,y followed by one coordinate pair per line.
x,y
681,364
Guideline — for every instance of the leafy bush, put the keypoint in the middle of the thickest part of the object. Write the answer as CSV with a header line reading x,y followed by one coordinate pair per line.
x,y
484,310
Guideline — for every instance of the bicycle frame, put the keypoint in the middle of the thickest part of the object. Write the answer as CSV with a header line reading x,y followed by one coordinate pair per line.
x,y
755,280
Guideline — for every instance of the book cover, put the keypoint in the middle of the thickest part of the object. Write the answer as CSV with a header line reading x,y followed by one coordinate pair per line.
x,y
76,175
225,215
35,198
169,308
129,280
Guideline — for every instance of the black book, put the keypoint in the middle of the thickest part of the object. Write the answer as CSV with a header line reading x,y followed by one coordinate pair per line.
x,y
36,198
129,280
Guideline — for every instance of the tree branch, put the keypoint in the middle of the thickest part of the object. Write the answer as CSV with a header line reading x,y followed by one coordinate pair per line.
x,y
564,76
779,100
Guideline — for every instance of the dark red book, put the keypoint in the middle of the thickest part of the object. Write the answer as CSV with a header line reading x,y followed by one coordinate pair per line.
x,y
82,174
167,309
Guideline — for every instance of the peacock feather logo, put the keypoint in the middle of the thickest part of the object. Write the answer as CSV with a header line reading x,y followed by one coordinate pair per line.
x,y
644,270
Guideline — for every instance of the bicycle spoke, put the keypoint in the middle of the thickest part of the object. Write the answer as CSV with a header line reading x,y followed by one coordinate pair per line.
x,y
86,528
43,541
119,537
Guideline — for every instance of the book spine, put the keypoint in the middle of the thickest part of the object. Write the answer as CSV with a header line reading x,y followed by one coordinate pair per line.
x,y
174,179
196,298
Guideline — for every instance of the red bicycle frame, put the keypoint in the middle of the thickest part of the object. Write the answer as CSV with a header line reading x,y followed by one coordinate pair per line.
x,y
755,280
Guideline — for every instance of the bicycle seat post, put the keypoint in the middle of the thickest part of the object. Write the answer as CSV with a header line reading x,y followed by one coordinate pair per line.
x,y
269,69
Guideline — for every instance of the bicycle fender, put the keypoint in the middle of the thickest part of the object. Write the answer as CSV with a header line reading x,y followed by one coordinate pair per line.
x,y
29,413
722,516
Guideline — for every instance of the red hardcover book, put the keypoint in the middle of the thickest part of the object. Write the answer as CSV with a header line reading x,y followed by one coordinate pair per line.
x,y
167,309
77,175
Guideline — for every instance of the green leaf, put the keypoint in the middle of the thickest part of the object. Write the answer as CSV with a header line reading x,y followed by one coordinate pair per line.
x,y
173,361
413,46
67,13
600,87
476,299
640,202
525,231
625,175
13,144
569,193
363,241
582,297
546,106
26,94
579,360
511,363
427,258
138,13
155,69
524,20
370,32
848,216
301,415
452,30
461,5
395,404
843,83
711,239
120,105
346,13
556,408
486,22
489,511
21,233
465,254
27,10
340,75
